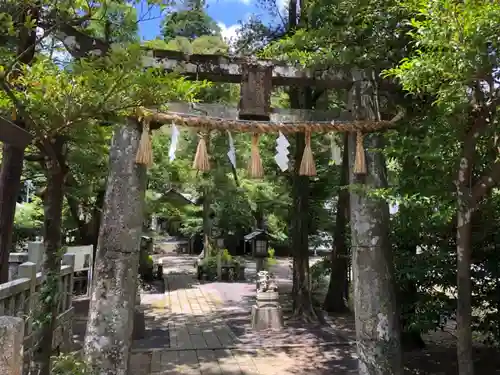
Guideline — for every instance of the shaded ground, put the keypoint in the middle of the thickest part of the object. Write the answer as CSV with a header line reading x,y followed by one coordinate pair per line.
x,y
204,328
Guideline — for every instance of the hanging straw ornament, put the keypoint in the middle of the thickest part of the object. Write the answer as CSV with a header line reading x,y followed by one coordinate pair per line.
x,y
145,153
360,162
201,159
255,169
307,167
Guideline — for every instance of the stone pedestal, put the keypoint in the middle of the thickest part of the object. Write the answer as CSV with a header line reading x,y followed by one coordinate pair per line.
x,y
267,312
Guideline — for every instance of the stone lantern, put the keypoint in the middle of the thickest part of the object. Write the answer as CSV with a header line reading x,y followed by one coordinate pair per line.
x,y
259,241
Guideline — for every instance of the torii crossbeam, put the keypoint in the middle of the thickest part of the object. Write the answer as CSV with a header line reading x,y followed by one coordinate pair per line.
x,y
12,134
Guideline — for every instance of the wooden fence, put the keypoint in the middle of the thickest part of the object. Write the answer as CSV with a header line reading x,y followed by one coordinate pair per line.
x,y
19,298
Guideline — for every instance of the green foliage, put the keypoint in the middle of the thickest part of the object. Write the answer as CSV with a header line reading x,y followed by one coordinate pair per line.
x,y
28,222
190,23
69,364
270,259
209,267
364,34
209,264
456,46
319,273
49,296
29,215
225,256
120,18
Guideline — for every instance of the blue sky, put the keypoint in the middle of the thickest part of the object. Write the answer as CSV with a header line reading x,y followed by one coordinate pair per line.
x,y
227,13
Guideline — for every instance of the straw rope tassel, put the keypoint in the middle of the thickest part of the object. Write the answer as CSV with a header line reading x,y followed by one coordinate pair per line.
x,y
307,166
14,114
201,160
145,153
255,169
360,162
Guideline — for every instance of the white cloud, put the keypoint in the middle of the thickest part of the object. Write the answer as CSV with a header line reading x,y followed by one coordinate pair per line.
x,y
229,33
283,5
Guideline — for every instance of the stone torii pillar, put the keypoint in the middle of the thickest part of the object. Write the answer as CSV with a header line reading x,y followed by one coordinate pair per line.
x,y
11,345
15,140
113,299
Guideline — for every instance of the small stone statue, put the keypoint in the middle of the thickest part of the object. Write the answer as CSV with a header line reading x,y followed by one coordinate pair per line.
x,y
266,282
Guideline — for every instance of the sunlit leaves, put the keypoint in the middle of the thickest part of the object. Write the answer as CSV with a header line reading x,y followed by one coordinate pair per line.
x,y
458,45
104,89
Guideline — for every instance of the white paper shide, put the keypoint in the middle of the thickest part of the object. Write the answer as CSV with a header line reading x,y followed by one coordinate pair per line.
x,y
282,152
231,154
336,149
173,142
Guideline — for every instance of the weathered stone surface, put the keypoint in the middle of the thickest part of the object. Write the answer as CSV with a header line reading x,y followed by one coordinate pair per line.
x,y
219,68
139,324
110,324
255,91
267,313
267,317
377,320
13,134
11,345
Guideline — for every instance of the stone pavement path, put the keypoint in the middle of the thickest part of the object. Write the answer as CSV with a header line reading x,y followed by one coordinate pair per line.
x,y
209,333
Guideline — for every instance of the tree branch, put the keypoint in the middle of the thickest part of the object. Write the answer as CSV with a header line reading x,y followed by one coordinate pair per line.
x,y
34,158
79,44
489,181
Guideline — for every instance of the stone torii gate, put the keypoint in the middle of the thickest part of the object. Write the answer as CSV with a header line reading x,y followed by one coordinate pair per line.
x,y
107,340
14,135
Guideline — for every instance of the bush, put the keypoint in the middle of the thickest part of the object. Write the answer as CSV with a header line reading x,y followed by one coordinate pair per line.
x,y
319,272
69,364
271,259
208,266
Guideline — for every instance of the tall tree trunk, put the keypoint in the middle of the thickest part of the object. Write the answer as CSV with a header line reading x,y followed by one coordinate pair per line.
x,y
109,329
12,157
378,330
207,221
464,254
49,300
299,228
336,297
302,304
